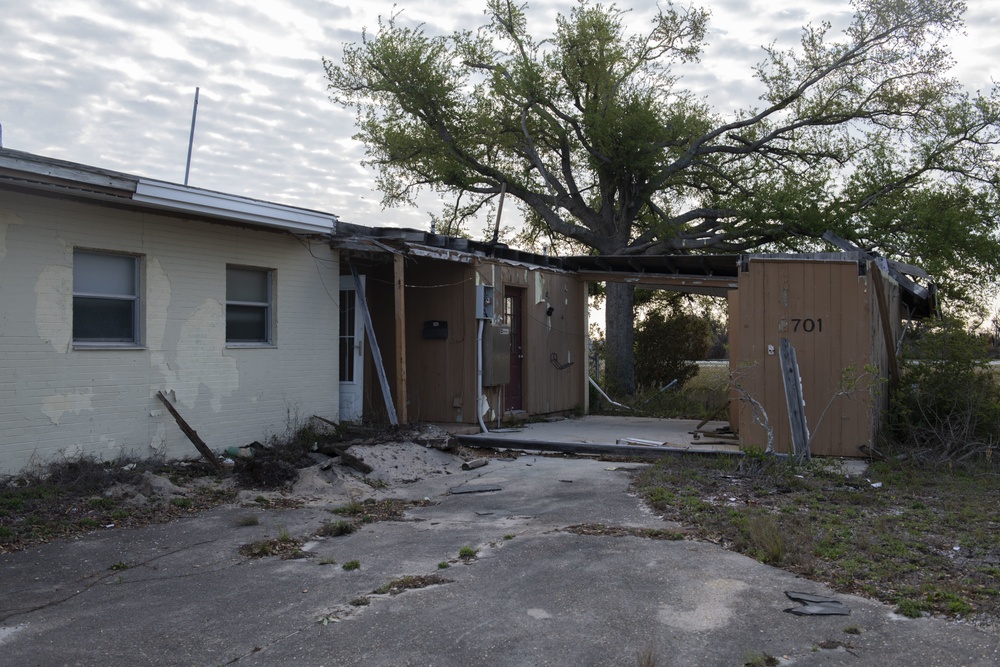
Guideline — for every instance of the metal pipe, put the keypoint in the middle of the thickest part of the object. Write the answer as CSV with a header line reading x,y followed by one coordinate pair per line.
x,y
601,392
194,116
479,377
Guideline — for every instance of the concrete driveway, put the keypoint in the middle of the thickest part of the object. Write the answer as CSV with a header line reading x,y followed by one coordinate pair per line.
x,y
537,594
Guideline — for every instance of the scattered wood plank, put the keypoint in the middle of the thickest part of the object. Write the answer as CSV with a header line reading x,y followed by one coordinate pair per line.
x,y
723,407
326,421
346,459
474,463
715,434
192,435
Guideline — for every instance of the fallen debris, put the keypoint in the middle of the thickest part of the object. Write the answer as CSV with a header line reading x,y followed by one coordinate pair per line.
x,y
346,459
623,531
473,489
191,434
410,582
816,605
474,463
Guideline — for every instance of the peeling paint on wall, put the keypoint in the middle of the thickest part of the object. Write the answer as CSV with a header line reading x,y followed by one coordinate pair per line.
x,y
201,360
158,443
73,451
109,443
199,363
54,306
56,406
6,220
157,301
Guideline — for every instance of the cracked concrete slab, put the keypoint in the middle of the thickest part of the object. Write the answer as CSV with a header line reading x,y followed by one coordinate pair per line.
x,y
535,594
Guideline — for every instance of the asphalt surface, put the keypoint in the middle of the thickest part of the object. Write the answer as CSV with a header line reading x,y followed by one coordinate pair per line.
x,y
536,594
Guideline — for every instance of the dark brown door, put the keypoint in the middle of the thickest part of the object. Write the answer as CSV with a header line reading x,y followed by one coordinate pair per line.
x,y
513,303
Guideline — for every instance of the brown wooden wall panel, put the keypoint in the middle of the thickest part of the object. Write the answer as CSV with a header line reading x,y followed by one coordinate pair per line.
x,y
436,381
828,313
441,373
546,388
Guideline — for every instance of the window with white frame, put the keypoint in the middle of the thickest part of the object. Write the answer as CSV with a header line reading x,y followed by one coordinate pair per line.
x,y
105,298
248,306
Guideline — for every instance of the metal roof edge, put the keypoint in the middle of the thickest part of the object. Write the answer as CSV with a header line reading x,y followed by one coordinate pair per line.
x,y
64,171
185,199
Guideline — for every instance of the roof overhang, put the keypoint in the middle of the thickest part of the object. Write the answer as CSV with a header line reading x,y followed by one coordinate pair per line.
x,y
184,199
35,174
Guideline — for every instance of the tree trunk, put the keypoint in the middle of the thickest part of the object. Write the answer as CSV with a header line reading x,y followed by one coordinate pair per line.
x,y
619,332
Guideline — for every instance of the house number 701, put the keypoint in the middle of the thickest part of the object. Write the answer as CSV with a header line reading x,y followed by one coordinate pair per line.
x,y
808,324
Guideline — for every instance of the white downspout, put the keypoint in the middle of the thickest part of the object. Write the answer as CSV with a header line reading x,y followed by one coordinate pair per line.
x,y
479,377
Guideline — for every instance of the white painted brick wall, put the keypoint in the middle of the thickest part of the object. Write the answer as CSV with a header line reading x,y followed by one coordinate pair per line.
x,y
59,401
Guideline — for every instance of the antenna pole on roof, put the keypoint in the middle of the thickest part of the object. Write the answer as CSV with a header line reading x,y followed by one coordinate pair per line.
x,y
496,227
194,116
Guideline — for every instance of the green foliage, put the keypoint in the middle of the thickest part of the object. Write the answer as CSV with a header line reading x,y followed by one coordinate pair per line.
x,y
767,539
335,528
351,565
667,347
865,134
467,553
947,407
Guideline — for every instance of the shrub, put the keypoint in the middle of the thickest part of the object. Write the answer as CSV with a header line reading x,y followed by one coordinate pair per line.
x,y
335,528
666,349
947,407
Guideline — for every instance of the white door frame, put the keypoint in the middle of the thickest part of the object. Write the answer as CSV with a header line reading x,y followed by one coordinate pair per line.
x,y
351,348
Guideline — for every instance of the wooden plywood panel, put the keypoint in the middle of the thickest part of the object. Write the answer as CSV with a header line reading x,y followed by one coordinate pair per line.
x,y
546,388
824,309
748,372
437,367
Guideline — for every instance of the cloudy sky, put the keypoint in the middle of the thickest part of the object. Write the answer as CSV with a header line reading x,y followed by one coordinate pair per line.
x,y
111,83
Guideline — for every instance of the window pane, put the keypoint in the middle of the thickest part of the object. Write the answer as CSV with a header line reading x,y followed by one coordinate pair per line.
x,y
103,320
347,314
246,324
247,285
96,273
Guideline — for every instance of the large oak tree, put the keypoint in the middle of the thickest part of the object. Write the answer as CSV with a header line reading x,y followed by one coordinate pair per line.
x,y
865,134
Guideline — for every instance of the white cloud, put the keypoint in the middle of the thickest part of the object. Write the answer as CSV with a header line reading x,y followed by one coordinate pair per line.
x,y
111,83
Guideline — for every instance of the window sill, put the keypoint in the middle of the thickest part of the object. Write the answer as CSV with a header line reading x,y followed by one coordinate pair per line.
x,y
108,346
251,346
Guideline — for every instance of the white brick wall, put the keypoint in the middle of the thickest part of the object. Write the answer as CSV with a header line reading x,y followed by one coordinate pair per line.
x,y
59,401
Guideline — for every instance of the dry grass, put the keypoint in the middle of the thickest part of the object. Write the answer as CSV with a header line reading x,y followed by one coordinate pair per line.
x,y
924,541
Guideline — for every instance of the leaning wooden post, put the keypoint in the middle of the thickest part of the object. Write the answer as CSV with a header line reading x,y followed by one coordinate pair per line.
x,y
376,352
400,302
796,403
192,435
876,275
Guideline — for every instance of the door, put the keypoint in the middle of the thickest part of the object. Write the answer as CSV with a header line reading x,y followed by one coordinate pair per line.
x,y
352,352
513,304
